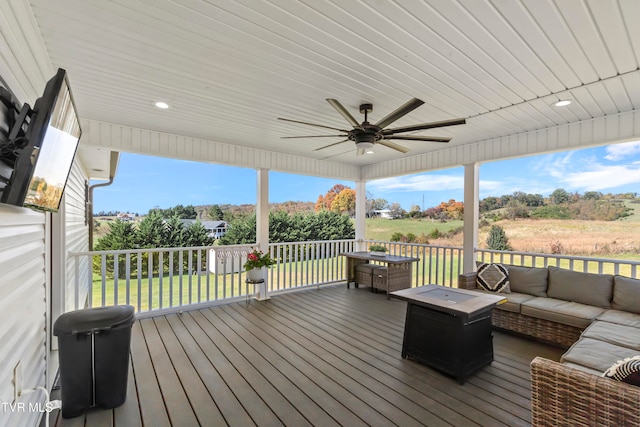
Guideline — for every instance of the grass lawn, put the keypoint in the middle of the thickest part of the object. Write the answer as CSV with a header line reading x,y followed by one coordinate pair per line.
x,y
383,229
174,290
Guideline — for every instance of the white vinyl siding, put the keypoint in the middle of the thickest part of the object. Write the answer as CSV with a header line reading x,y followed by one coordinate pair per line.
x,y
23,307
76,238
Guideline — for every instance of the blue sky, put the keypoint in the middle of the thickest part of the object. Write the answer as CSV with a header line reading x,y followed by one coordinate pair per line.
x,y
144,182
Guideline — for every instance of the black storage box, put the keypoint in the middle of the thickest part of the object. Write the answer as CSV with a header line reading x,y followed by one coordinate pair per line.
x,y
94,348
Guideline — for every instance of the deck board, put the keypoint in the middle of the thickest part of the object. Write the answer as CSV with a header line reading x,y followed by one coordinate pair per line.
x,y
315,357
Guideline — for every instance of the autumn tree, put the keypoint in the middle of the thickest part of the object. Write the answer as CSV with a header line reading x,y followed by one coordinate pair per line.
x,y
325,202
344,202
453,209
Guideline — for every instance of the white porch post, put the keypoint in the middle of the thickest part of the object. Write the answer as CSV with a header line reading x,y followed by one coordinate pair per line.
x,y
471,214
361,213
262,223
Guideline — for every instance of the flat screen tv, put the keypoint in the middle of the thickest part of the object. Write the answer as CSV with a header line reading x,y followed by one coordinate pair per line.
x,y
51,135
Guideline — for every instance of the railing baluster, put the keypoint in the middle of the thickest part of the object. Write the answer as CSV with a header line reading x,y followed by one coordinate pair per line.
x,y
150,279
139,283
160,277
181,273
206,277
90,281
190,271
116,274
128,278
171,254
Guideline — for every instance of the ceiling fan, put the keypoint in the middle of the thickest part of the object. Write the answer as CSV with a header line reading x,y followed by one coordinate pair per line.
x,y
365,134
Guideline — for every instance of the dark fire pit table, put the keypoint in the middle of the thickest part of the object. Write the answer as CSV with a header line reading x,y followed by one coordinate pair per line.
x,y
448,329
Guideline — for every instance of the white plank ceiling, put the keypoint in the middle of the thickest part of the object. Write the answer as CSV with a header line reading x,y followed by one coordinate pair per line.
x,y
229,69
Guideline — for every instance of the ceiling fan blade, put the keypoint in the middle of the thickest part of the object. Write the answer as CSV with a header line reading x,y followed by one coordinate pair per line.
x,y
312,124
343,112
313,136
406,108
423,126
418,138
330,145
336,155
396,147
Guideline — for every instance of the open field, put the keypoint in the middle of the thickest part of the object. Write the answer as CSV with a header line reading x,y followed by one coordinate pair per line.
x,y
574,237
571,237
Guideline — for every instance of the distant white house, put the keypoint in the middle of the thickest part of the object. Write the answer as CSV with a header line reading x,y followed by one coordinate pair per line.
x,y
216,229
382,213
126,217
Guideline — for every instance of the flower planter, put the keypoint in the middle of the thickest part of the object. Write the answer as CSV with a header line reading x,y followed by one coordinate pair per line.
x,y
378,253
256,274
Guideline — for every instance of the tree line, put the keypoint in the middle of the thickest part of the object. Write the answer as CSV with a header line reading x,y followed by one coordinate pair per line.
x,y
298,227
561,204
153,231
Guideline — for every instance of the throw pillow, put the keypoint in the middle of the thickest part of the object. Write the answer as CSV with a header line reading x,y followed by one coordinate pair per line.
x,y
626,370
493,278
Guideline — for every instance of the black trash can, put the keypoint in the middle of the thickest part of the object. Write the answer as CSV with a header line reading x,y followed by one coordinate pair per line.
x,y
93,346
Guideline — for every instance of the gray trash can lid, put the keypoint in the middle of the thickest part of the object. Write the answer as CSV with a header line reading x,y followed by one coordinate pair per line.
x,y
91,320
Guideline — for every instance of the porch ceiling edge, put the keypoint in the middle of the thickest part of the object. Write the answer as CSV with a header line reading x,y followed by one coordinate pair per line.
x,y
147,142
615,128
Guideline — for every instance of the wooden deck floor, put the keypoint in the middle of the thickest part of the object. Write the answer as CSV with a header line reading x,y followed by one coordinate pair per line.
x,y
316,357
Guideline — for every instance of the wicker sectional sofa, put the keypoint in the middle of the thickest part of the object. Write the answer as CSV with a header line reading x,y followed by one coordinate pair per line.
x,y
595,316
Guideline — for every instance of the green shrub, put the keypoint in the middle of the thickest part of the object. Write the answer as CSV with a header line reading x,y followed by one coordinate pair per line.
x,y
435,233
497,239
396,237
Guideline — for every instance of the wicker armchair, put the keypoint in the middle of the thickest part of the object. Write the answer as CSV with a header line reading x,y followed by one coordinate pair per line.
x,y
565,396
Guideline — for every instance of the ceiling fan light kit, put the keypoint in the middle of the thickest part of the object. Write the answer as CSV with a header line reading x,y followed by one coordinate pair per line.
x,y
365,135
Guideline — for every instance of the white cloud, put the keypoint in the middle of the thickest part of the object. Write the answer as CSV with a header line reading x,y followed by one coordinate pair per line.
x,y
603,177
622,151
511,185
418,183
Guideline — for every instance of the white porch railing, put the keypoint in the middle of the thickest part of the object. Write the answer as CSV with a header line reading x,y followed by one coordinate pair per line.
x,y
175,279
172,279
569,262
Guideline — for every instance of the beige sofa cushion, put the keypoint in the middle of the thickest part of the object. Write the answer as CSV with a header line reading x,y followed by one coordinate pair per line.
x,y
595,354
584,288
559,311
583,368
528,280
621,318
625,336
626,294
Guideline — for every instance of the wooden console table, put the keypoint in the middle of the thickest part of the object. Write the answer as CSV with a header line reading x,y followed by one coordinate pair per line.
x,y
448,329
398,267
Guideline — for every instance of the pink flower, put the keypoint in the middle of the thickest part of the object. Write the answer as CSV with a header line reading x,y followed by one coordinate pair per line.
x,y
252,257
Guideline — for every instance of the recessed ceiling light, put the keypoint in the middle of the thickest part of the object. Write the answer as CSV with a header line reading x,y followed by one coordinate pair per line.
x,y
369,151
161,105
562,103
